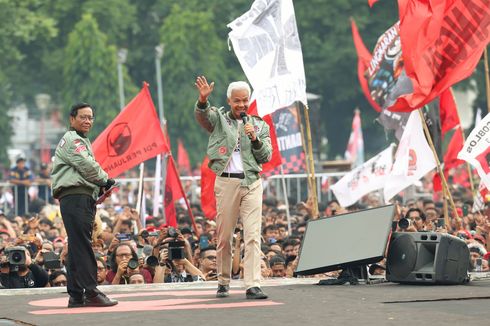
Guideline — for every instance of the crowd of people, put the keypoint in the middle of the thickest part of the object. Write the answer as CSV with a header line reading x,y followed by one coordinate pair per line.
x,y
131,251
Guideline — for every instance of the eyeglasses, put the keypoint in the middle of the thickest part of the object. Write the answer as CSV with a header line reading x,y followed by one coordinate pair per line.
x,y
60,283
210,257
86,118
124,255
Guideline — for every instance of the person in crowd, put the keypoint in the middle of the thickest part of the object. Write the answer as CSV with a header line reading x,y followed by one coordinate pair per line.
x,y
77,181
124,262
57,279
43,180
22,178
278,266
238,145
207,263
101,271
24,275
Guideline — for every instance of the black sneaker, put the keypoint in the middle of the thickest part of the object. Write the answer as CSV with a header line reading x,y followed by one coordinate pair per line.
x,y
223,291
76,302
255,293
100,300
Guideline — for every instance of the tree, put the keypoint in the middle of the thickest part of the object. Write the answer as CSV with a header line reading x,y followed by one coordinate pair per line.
x,y
192,48
22,24
90,73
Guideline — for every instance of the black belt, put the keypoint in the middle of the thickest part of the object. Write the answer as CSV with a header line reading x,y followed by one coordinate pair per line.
x,y
233,175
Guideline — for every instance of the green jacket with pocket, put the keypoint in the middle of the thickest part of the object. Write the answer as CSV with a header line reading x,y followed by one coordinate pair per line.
x,y
75,170
224,130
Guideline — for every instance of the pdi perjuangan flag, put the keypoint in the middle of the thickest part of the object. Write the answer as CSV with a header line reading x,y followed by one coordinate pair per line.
x,y
442,42
134,136
266,42
476,149
362,180
413,158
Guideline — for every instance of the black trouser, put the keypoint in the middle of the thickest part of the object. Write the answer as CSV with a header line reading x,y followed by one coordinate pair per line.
x,y
78,213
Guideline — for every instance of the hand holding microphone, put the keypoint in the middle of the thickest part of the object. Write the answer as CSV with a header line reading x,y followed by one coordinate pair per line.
x,y
249,129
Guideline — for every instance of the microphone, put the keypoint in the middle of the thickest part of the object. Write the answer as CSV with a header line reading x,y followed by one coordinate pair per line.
x,y
244,117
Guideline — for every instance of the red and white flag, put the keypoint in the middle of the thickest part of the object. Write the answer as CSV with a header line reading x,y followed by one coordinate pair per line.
x,y
368,177
134,136
476,150
442,42
413,158
355,148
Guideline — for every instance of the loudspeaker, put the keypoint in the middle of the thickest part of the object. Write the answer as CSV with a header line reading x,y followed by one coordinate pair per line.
x,y
427,258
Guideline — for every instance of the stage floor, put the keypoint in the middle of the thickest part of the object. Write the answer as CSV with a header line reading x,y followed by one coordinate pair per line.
x,y
291,302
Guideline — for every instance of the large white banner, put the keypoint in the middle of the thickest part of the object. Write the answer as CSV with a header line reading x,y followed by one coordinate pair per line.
x,y
265,40
413,158
366,178
476,149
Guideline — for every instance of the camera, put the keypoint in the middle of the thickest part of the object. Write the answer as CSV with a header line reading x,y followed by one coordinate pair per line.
x,y
133,263
172,232
52,260
16,256
176,250
404,223
151,261
124,236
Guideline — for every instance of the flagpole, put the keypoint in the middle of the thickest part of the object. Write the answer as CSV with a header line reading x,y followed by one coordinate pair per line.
x,y
303,142
487,78
140,188
315,213
439,169
286,200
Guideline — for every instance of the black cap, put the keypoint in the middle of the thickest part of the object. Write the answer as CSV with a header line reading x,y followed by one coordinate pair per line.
x,y
20,159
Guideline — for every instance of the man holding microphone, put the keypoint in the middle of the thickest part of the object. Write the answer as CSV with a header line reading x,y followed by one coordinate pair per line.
x,y
238,145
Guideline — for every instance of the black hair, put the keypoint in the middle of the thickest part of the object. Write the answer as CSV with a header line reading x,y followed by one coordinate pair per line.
x,y
75,107
54,275
112,259
206,249
422,215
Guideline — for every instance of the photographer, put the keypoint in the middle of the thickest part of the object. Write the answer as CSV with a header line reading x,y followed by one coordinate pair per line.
x,y
208,263
124,262
414,221
23,274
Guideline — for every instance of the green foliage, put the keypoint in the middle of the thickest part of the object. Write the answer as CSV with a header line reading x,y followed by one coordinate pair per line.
x,y
192,48
90,72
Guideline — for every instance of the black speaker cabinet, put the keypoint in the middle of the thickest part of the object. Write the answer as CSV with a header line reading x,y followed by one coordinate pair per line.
x,y
427,258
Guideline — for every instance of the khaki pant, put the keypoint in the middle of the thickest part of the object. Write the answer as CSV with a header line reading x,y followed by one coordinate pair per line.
x,y
233,201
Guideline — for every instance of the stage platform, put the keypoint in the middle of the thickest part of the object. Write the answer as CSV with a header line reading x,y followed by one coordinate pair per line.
x,y
291,302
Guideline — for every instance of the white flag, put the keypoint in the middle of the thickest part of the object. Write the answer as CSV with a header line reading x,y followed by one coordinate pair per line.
x,y
413,158
266,42
476,149
368,177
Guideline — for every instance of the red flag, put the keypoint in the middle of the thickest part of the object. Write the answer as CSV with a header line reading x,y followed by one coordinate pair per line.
x,y
208,201
450,158
276,158
372,2
173,192
363,62
448,112
183,161
132,137
442,42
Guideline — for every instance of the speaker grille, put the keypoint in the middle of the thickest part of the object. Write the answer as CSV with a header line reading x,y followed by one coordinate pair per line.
x,y
402,256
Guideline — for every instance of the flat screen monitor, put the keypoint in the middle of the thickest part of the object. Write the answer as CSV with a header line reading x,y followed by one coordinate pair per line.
x,y
345,240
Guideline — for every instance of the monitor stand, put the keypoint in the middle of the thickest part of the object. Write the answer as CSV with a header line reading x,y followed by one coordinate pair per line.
x,y
351,274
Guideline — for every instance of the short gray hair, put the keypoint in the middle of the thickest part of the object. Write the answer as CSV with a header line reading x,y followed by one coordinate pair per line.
x,y
238,85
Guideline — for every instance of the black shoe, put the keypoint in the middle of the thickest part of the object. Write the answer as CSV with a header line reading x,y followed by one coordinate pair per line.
x,y
76,302
255,293
100,300
223,291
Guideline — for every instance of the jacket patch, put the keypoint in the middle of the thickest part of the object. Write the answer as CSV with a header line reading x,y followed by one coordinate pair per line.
x,y
222,150
256,129
62,142
80,148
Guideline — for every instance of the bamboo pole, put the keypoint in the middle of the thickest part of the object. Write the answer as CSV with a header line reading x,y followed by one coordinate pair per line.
x,y
438,163
314,195
303,142
487,78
